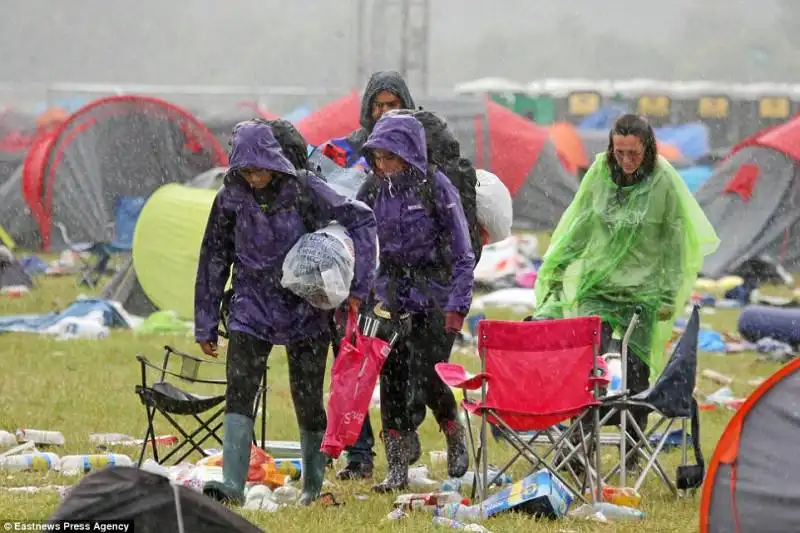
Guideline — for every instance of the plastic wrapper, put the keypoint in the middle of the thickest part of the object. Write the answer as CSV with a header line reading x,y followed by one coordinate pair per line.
x,y
614,251
345,181
319,268
495,210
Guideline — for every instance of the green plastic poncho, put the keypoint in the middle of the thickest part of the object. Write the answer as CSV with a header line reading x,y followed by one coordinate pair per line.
x,y
611,254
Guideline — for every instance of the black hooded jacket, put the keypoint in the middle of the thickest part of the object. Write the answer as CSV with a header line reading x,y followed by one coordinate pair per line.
x,y
383,80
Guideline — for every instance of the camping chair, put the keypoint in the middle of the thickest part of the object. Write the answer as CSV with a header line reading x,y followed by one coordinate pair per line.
x,y
556,362
671,398
126,213
173,402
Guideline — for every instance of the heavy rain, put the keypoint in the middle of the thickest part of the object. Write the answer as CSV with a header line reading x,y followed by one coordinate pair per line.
x,y
413,265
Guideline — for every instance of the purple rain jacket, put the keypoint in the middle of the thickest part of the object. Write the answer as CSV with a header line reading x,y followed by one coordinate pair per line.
x,y
407,235
255,243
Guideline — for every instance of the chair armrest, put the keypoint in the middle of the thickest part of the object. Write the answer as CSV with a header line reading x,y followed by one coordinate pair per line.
x,y
456,376
145,362
185,355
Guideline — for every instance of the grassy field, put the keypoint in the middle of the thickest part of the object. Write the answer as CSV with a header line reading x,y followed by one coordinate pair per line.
x,y
82,387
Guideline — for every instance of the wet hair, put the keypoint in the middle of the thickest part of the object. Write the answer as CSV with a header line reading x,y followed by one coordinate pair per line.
x,y
641,129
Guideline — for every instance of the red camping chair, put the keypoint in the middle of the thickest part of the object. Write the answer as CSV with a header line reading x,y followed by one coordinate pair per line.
x,y
534,375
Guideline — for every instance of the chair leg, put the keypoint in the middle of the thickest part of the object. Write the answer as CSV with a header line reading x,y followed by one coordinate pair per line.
x,y
653,461
189,438
151,412
475,453
535,459
149,436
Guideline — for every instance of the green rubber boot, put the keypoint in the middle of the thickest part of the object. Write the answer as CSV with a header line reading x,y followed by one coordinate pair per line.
x,y
314,462
236,444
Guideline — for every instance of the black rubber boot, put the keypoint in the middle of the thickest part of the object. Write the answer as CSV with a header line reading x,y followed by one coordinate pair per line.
x,y
457,455
396,444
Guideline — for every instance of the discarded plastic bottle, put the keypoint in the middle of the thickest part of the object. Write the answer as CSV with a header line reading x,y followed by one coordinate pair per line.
x,y
110,439
285,494
447,522
461,513
7,440
619,512
87,463
39,462
38,436
625,496
455,524
419,479
468,479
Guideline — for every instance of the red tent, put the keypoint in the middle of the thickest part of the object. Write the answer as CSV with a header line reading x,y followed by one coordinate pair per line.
x,y
519,151
121,146
336,119
752,198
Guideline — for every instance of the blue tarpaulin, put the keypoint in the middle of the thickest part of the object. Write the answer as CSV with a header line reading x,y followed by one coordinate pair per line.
x,y
78,309
693,140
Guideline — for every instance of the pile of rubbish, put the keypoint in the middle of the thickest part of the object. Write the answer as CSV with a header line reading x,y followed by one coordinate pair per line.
x,y
512,262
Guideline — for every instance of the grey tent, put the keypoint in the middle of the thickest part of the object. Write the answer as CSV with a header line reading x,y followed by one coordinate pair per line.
x,y
124,288
751,485
15,215
120,147
210,179
753,201
518,151
12,275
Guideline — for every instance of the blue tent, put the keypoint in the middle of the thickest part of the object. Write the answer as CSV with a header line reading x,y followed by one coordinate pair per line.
x,y
695,176
603,118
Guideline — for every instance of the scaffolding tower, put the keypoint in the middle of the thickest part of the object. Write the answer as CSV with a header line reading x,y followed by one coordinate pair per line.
x,y
393,34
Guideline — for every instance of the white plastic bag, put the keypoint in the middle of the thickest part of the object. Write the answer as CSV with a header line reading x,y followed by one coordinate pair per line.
x,y
319,268
494,207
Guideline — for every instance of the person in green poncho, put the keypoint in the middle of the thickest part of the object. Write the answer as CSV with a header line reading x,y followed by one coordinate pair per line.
x,y
633,237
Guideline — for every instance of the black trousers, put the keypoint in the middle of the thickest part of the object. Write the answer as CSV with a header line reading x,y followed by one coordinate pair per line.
x,y
247,361
409,382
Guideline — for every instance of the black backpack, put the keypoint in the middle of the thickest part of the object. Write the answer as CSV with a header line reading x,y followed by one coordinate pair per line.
x,y
444,154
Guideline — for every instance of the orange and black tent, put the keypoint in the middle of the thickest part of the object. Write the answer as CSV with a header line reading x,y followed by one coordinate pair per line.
x,y
751,485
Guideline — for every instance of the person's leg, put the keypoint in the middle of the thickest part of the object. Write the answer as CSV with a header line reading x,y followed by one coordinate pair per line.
x,y
307,361
432,344
395,417
245,365
359,455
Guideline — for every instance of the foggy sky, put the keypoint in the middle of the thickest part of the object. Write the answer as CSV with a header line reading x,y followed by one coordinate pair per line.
x,y
313,42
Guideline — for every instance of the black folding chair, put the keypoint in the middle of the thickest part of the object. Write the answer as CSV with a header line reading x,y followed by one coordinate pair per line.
x,y
173,402
671,399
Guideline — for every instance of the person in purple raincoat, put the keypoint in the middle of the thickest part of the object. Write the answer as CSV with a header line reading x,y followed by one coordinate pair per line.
x,y
426,272
255,220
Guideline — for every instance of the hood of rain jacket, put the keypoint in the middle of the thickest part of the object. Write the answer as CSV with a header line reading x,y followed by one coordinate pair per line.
x,y
410,239
255,239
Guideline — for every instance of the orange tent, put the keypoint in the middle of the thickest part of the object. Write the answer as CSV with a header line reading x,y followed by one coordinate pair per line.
x,y
570,145
669,151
